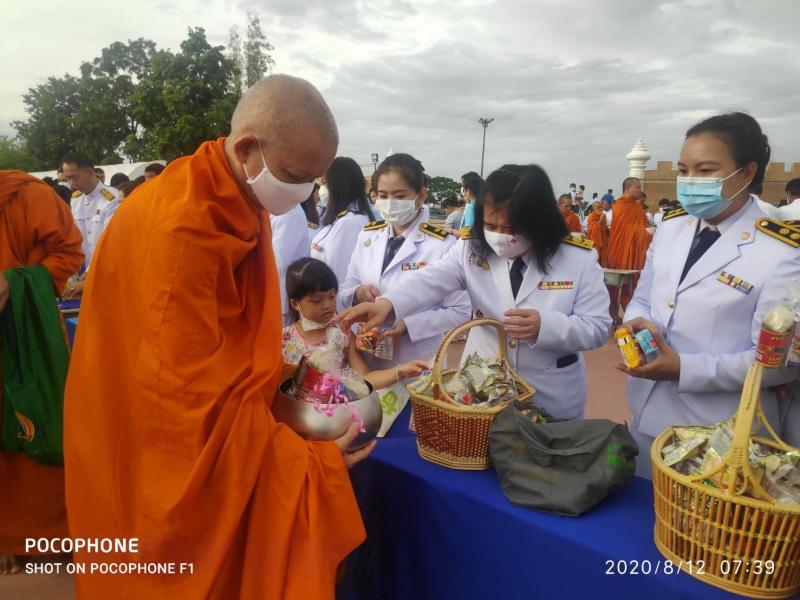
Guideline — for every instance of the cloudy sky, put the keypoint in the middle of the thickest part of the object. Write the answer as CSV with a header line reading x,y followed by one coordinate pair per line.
x,y
571,84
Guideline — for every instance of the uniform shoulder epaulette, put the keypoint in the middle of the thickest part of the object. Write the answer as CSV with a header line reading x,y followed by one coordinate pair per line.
x,y
465,233
313,225
374,225
793,222
343,213
783,231
107,195
434,231
675,212
573,241
77,193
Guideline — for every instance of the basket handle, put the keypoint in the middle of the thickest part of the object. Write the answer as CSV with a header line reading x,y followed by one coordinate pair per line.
x,y
436,373
748,406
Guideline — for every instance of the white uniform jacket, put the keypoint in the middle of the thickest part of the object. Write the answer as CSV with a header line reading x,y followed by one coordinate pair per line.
x,y
92,213
571,298
423,247
712,319
290,243
333,244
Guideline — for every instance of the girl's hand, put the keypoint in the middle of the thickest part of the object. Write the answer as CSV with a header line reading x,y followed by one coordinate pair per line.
x,y
413,368
523,323
374,313
398,329
365,293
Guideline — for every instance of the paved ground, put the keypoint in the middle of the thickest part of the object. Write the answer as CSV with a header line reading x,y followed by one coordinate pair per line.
x,y
606,400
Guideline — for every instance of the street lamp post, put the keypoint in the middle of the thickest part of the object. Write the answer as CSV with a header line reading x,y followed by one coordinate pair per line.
x,y
484,123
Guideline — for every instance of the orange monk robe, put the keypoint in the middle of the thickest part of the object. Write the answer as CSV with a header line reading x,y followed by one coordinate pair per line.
x,y
597,231
36,227
627,242
573,222
170,439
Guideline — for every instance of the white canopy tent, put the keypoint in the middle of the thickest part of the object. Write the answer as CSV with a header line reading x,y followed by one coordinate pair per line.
x,y
132,170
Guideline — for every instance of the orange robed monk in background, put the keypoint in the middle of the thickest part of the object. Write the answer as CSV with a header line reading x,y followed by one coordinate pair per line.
x,y
36,227
570,218
597,231
628,240
170,439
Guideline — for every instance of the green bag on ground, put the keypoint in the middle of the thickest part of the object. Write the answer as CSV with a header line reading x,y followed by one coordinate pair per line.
x,y
35,361
560,466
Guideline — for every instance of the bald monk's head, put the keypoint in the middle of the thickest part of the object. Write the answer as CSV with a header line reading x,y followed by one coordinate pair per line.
x,y
632,187
287,120
565,204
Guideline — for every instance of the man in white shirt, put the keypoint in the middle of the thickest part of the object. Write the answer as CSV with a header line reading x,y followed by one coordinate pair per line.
x,y
791,211
607,211
93,203
290,243
663,207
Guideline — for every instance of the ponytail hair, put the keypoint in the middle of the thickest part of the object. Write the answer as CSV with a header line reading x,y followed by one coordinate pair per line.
x,y
405,165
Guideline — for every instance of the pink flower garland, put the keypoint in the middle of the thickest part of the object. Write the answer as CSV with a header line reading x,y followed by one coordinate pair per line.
x,y
331,387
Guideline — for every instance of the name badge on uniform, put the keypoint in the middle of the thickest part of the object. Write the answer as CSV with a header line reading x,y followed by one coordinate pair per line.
x,y
556,285
414,266
474,259
739,285
316,247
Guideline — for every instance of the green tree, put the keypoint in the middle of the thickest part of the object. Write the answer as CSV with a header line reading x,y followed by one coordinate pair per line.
x,y
184,100
257,51
13,155
441,187
236,61
90,113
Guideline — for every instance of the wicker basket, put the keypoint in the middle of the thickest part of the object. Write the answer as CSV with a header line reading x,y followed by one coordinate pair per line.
x,y
453,435
731,540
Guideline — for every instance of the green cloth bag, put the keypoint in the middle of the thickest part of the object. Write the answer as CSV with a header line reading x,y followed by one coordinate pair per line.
x,y
561,466
35,362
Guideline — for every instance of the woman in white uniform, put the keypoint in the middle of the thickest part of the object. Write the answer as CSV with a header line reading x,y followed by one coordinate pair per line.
x,y
714,268
390,251
309,206
522,268
346,213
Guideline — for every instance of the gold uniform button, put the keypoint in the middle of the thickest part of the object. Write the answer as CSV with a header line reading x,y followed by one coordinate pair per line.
x,y
512,343
671,303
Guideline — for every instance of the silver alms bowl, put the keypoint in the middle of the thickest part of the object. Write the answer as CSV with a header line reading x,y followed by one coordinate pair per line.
x,y
304,420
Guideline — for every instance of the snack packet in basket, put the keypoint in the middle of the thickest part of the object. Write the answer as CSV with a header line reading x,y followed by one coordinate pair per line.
x,y
681,450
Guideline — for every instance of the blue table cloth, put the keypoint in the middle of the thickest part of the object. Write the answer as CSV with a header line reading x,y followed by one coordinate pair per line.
x,y
436,533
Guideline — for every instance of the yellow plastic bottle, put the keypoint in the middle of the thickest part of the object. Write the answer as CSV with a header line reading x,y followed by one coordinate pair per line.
x,y
628,348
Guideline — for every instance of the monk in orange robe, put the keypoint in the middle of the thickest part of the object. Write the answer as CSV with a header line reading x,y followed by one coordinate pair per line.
x,y
597,231
169,438
628,240
570,218
36,227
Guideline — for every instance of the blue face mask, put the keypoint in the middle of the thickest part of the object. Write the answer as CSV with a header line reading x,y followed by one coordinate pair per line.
x,y
702,196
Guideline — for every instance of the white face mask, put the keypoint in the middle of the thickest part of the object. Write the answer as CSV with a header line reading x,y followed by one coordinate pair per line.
x,y
277,196
397,211
309,325
506,245
324,194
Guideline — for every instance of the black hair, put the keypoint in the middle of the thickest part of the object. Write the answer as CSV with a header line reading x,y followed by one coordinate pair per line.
x,y
118,178
742,134
76,158
346,185
664,202
310,206
451,200
595,195
472,182
308,276
610,191
154,168
128,187
408,167
793,187
527,194
99,170
571,184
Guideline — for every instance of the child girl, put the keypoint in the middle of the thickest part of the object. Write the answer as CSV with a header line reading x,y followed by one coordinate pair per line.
x,y
311,288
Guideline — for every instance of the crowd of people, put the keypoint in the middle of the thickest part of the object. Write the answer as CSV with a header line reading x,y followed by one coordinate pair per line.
x,y
197,289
